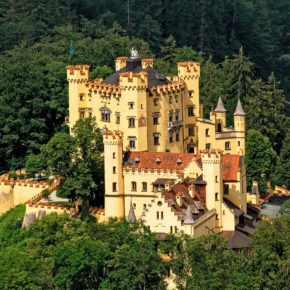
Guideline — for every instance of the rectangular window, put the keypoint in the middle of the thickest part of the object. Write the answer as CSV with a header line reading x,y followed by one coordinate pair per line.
x,y
133,186
207,146
131,123
105,115
217,217
190,130
227,145
190,111
170,136
226,189
131,106
157,215
155,101
156,138
117,118
239,143
216,196
162,215
207,132
177,135
176,115
155,119
82,97
132,142
90,112
114,170
82,114
144,186
176,229
216,179
114,155
114,186
190,94
171,229
144,205
170,100
170,116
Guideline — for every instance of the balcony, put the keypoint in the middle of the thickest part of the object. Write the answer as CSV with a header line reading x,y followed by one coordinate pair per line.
x,y
175,124
66,120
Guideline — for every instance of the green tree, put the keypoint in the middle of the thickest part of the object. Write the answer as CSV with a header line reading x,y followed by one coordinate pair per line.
x,y
78,160
285,161
261,159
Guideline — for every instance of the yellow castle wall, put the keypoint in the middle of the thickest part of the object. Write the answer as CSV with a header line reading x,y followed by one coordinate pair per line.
x,y
6,198
228,219
204,224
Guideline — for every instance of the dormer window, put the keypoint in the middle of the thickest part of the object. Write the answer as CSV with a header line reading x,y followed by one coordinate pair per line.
x,y
179,161
137,159
158,160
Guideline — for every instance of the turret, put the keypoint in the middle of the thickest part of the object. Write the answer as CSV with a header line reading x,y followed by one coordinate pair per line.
x,y
147,62
77,77
190,73
220,116
114,182
212,174
120,62
239,117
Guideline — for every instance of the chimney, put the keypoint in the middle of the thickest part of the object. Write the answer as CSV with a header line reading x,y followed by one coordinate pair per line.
x,y
168,185
191,189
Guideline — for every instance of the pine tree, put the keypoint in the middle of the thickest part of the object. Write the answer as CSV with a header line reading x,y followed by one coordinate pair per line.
x,y
285,161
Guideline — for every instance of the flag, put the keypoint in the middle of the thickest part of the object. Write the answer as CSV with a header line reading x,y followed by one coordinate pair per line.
x,y
71,49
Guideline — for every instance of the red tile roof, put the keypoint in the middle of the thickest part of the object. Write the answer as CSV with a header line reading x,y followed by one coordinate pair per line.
x,y
231,166
168,160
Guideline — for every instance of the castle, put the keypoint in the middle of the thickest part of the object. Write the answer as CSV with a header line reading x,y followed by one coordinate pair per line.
x,y
164,163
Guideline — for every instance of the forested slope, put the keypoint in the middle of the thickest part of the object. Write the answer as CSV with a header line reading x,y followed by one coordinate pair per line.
x,y
35,39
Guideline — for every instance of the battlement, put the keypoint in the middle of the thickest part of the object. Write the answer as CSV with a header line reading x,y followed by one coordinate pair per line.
x,y
120,62
104,89
169,88
112,137
188,70
130,80
147,62
211,156
78,73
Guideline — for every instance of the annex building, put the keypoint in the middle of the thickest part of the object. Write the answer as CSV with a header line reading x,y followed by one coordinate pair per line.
x,y
164,163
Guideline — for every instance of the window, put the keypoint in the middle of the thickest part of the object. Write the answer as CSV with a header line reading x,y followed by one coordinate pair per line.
x,y
90,112
207,146
131,106
117,118
190,130
155,119
159,203
176,115
82,97
239,143
114,170
227,145
114,155
190,94
114,185
131,123
132,142
219,127
190,111
170,116
217,217
176,229
105,115
170,100
133,186
176,99
134,205
207,132
157,215
216,196
170,136
162,215
155,102
216,179
82,114
224,212
177,135
156,138
144,205
171,229
226,189
144,186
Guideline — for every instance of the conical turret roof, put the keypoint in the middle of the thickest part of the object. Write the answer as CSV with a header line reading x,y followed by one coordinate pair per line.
x,y
188,216
239,109
220,106
131,215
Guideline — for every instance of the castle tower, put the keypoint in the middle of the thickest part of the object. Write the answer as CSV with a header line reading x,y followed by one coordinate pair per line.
x,y
239,124
212,174
134,87
190,73
220,116
77,77
120,62
114,182
147,62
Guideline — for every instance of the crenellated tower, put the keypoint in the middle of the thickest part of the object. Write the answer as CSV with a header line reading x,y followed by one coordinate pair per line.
x,y
212,174
77,77
114,182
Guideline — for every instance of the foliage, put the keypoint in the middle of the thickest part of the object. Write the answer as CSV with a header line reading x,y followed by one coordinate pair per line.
x,y
261,160
285,161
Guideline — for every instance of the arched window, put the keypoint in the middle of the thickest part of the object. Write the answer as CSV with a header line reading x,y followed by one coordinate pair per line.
x,y
133,186
170,116
176,115
131,122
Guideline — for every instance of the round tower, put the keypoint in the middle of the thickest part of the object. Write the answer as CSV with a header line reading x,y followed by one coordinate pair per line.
x,y
114,182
